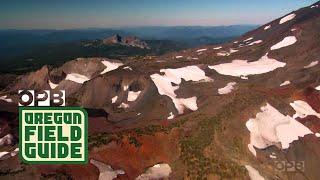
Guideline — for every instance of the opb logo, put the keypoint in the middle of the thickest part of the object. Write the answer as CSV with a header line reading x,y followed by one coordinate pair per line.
x,y
51,135
41,98
289,166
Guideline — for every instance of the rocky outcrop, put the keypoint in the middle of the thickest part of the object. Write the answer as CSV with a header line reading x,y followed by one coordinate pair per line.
x,y
115,39
126,41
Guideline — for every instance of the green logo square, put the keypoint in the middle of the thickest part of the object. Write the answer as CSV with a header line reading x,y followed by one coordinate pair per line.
x,y
53,135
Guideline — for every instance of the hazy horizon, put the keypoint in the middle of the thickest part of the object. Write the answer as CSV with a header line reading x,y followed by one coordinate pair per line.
x,y
101,14
127,27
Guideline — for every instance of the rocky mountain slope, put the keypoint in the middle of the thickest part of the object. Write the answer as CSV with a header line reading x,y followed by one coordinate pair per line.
x,y
229,111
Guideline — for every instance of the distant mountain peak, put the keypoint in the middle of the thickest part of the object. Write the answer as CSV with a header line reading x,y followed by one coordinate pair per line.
x,y
127,41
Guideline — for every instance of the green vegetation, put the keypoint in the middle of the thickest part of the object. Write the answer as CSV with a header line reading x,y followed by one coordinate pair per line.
x,y
12,172
105,138
134,141
192,147
198,165
100,139
238,148
57,175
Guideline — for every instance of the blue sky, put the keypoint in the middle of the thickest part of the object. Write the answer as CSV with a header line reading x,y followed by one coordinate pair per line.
x,y
66,14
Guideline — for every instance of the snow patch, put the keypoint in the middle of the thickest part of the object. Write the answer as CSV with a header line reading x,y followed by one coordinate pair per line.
x,y
178,57
132,96
110,66
315,6
303,109
285,83
267,27
270,127
244,68
171,116
204,81
52,85
253,173
318,88
78,78
216,48
14,152
272,156
287,18
255,42
114,99
312,64
125,87
158,171
5,98
4,155
165,86
227,89
250,38
287,41
190,103
123,105
106,172
127,67
287,133
223,53
233,51
201,50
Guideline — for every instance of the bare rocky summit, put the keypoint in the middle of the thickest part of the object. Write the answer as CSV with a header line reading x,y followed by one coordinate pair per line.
x,y
126,41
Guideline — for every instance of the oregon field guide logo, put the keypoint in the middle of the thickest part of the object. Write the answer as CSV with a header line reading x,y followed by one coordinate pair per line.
x,y
53,135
